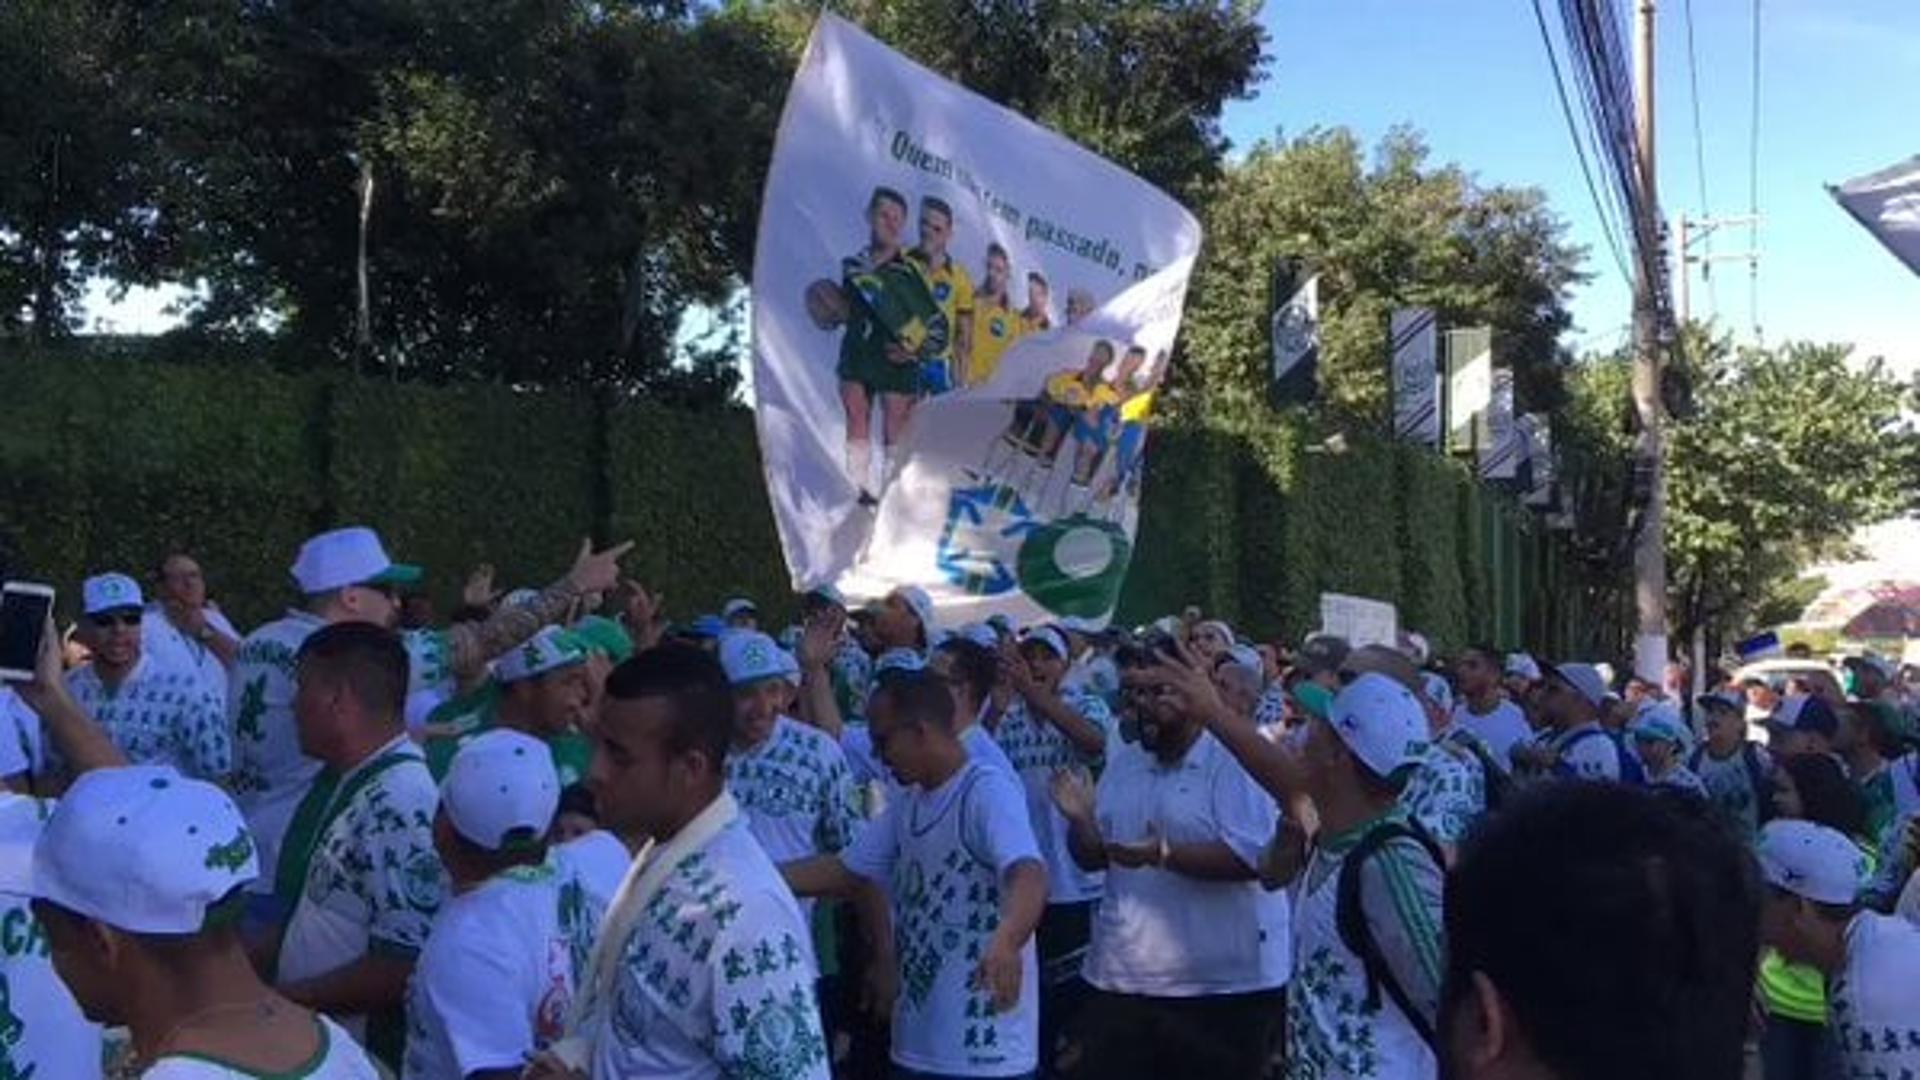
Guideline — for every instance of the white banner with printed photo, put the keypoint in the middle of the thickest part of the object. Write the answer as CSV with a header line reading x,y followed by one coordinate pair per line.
x,y
959,322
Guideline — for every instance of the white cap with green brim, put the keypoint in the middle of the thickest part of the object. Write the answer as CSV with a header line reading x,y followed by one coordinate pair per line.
x,y
144,849
501,790
1381,721
550,649
349,556
1811,861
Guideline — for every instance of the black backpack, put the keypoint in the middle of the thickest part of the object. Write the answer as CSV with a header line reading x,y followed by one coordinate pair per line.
x,y
1351,920
1498,781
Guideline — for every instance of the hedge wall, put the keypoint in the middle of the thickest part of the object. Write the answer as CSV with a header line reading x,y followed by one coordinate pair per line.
x,y
111,463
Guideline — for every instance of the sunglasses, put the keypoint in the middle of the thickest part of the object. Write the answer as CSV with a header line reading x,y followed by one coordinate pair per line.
x,y
108,619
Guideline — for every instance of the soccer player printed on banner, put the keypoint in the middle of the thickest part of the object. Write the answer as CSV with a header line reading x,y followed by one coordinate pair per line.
x,y
893,327
996,325
1295,334
952,290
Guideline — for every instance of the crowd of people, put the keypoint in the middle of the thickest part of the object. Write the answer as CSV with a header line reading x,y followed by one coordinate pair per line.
x,y
558,835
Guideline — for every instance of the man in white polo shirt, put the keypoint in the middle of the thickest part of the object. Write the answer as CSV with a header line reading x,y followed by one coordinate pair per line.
x,y
358,869
346,576
497,977
138,878
1189,953
156,714
1871,961
184,630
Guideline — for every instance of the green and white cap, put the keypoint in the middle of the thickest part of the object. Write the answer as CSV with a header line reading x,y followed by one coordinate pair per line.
x,y
1658,721
501,789
144,849
1381,722
749,656
349,556
109,592
1811,861
548,650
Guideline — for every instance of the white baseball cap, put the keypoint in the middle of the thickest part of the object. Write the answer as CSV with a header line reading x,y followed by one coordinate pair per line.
x,y
1811,861
109,592
349,556
143,849
1658,721
1520,665
518,598
1381,722
1415,645
789,668
501,787
920,603
1438,690
899,660
980,634
739,605
1584,678
549,649
1248,657
1049,636
749,656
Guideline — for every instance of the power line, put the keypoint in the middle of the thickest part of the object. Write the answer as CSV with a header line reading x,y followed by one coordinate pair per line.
x,y
1753,182
1699,162
1579,148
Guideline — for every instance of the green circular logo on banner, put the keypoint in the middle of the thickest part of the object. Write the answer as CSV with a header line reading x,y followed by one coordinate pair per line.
x,y
1075,566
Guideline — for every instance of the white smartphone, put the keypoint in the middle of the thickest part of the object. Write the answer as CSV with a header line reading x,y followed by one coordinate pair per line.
x,y
24,607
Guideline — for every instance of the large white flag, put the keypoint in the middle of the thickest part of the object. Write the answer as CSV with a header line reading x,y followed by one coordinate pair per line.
x,y
960,319
1888,204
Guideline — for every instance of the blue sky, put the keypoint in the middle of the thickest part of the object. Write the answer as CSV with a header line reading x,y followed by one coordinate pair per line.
x,y
1840,91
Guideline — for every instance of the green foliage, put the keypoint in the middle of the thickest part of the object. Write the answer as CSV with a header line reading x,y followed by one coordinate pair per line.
x,y
1392,233
1429,493
1787,453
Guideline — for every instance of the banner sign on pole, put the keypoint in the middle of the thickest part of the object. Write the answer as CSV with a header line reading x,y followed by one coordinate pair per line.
x,y
959,322
1415,334
1500,454
1469,387
1294,334
1360,620
1544,470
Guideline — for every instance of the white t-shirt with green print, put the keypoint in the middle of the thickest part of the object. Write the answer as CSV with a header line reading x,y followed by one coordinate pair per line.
x,y
374,882
717,978
42,1032
159,715
338,1057
1447,792
1038,749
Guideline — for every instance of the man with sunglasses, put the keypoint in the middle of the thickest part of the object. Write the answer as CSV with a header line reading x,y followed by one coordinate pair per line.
x,y
157,714
345,575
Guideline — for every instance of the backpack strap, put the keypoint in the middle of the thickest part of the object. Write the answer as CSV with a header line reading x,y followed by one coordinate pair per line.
x,y
1350,920
1757,776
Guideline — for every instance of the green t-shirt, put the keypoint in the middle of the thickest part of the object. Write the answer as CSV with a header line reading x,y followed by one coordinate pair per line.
x,y
478,710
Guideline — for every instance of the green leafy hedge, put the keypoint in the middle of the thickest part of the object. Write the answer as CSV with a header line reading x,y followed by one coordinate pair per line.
x,y
110,463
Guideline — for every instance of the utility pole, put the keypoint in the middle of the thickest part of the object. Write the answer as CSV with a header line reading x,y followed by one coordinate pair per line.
x,y
1650,542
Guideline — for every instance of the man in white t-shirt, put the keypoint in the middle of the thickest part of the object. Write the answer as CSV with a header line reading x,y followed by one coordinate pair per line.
x,y
497,977
184,630
156,714
790,779
1814,875
1190,954
956,854
1366,979
42,1032
702,969
1484,709
346,576
358,870
138,878
1049,727
1573,745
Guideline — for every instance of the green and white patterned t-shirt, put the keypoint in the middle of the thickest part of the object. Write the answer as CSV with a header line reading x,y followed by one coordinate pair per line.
x,y
796,791
270,774
1874,1001
1038,749
375,881
943,856
717,978
159,715
1447,792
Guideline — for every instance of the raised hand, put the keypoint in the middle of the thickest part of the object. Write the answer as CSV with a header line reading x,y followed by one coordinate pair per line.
x,y
1072,791
1186,675
479,590
596,571
820,640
